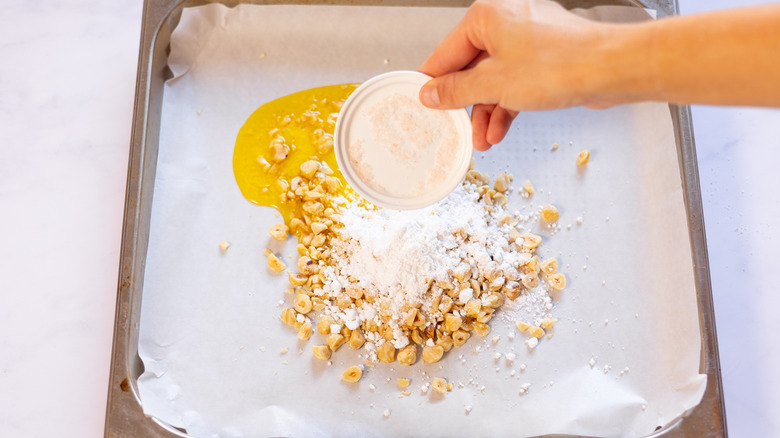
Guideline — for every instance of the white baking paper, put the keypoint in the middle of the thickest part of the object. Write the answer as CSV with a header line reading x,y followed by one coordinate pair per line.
x,y
625,356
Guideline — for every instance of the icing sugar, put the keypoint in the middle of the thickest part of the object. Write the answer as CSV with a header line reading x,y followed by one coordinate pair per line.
x,y
399,257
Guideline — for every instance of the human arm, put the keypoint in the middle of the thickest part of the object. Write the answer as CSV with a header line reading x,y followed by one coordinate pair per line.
x,y
507,56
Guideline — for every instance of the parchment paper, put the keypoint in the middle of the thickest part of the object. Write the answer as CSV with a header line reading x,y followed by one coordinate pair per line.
x,y
625,354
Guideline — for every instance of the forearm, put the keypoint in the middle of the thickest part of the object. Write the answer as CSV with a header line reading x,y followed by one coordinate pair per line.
x,y
721,58
507,56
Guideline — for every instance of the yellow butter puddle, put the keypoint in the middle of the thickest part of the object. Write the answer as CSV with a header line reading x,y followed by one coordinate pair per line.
x,y
280,136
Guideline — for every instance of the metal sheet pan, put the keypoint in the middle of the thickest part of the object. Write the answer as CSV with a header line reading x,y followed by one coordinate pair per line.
x,y
125,416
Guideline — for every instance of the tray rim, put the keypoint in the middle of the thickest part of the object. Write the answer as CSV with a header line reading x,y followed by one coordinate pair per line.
x,y
124,412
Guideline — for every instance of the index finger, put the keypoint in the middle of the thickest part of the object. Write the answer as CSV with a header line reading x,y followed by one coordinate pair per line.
x,y
456,51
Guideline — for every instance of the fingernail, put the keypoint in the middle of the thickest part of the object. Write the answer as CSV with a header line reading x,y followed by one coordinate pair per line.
x,y
429,96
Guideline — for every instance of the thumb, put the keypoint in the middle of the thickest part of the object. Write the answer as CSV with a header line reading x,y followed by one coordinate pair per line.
x,y
458,90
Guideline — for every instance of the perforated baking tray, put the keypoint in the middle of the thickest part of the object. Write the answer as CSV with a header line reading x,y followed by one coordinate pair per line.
x,y
125,416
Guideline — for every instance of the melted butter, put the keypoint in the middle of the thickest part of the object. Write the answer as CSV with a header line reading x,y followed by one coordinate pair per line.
x,y
304,123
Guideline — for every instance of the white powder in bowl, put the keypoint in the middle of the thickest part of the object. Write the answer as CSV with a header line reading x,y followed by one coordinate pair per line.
x,y
396,152
408,149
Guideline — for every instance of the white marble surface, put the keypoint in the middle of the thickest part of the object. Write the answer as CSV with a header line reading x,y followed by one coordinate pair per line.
x,y
67,79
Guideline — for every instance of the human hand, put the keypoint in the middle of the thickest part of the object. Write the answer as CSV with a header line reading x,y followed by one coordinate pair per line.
x,y
507,56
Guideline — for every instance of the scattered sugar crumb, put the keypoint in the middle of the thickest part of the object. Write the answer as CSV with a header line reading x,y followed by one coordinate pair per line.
x,y
284,350
386,413
467,408
532,342
524,388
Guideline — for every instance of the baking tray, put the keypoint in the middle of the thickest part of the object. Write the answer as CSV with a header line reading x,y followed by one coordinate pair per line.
x,y
124,414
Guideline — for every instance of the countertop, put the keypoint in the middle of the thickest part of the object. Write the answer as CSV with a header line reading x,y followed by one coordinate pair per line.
x,y
67,81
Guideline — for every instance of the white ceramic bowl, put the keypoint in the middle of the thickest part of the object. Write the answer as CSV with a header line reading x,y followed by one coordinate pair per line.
x,y
394,151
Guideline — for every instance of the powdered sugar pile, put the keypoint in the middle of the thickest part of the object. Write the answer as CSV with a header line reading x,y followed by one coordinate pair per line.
x,y
401,260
